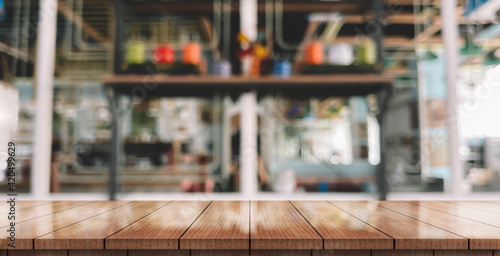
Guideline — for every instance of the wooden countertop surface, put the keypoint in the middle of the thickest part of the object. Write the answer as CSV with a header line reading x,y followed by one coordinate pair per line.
x,y
256,225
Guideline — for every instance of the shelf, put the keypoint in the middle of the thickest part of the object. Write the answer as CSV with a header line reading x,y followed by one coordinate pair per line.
x,y
304,85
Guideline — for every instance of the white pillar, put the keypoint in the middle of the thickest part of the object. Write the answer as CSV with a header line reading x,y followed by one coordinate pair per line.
x,y
450,37
248,108
248,150
44,77
248,19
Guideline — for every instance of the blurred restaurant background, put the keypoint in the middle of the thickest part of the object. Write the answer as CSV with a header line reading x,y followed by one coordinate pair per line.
x,y
251,99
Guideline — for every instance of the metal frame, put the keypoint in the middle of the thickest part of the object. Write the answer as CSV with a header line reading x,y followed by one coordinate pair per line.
x,y
119,33
383,186
378,6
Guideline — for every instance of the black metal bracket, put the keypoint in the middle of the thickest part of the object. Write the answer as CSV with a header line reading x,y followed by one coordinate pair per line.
x,y
119,35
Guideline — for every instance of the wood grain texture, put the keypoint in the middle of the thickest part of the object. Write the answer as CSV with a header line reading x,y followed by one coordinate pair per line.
x,y
5,206
280,253
489,207
29,230
341,253
463,252
267,228
97,252
159,230
402,253
38,252
36,211
223,225
341,230
3,252
220,252
481,236
408,233
278,225
462,211
158,253
90,234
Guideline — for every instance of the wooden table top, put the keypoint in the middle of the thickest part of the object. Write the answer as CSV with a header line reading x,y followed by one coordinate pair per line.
x,y
256,225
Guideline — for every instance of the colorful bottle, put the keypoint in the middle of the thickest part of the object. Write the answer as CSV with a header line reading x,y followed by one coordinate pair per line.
x,y
314,53
222,68
341,54
191,53
366,52
282,68
164,54
136,52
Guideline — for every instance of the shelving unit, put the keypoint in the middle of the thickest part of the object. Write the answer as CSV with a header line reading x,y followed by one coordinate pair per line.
x,y
155,85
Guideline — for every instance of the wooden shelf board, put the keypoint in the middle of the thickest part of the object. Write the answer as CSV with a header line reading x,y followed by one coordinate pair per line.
x,y
298,79
145,86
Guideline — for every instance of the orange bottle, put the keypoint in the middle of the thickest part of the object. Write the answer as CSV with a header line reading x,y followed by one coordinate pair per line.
x,y
191,53
314,53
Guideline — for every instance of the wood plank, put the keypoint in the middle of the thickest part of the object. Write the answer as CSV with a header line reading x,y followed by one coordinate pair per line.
x,y
29,230
220,252
5,206
158,253
3,253
489,218
341,253
341,230
481,236
280,253
478,205
38,252
159,230
463,252
407,232
23,215
402,253
278,225
97,252
223,225
90,234
497,252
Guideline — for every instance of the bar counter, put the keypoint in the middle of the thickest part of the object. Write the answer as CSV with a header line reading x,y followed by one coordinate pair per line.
x,y
257,228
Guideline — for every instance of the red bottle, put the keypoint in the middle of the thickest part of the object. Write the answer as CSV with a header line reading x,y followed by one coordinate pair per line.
x,y
164,54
